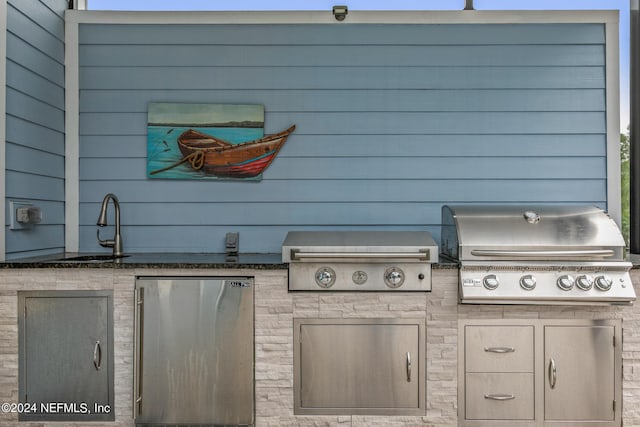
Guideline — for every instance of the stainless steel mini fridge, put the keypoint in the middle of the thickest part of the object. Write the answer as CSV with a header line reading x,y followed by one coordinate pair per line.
x,y
194,351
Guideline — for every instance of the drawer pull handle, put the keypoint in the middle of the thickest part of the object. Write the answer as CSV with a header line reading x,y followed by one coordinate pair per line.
x,y
499,349
499,396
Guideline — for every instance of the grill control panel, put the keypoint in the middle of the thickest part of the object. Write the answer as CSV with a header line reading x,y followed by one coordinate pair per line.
x,y
360,277
544,286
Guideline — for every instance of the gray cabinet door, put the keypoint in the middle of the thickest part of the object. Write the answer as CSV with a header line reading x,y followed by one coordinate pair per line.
x,y
359,367
580,373
65,355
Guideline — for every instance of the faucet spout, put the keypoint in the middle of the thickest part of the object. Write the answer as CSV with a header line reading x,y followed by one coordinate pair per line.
x,y
116,242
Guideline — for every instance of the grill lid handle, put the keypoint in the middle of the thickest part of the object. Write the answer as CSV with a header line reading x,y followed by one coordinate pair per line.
x,y
590,253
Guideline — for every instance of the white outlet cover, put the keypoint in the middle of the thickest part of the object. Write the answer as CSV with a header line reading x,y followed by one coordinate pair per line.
x,y
14,224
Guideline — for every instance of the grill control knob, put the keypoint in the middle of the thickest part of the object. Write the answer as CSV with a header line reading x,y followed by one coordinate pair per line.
x,y
565,282
325,277
528,282
393,277
603,283
584,282
490,281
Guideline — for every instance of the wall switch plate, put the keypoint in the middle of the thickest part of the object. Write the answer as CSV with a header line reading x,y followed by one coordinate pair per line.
x,y
13,215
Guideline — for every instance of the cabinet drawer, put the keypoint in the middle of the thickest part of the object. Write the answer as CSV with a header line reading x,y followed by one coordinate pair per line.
x,y
499,396
499,348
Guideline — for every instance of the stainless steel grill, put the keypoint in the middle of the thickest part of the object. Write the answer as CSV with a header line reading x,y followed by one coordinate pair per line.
x,y
359,260
537,255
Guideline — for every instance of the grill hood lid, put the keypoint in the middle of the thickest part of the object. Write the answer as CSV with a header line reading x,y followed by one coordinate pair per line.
x,y
530,232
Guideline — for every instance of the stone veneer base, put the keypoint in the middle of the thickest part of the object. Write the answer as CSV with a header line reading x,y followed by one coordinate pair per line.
x,y
275,309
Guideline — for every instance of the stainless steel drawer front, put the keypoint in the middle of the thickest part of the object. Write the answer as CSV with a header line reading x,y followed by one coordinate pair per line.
x,y
499,396
499,348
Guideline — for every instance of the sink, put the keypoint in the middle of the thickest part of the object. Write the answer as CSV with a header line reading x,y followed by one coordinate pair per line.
x,y
92,258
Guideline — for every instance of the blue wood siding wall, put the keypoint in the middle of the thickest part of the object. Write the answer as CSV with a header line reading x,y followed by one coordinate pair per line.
x,y
35,122
393,121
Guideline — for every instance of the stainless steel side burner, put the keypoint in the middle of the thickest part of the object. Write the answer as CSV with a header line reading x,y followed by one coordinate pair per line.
x,y
537,255
359,260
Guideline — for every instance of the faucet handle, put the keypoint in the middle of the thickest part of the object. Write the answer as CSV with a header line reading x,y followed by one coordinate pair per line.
x,y
105,243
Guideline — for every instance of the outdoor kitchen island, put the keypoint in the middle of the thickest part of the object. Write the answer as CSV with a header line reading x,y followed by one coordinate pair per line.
x,y
275,309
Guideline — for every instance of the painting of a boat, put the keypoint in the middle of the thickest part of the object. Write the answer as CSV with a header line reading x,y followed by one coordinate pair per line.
x,y
209,141
217,157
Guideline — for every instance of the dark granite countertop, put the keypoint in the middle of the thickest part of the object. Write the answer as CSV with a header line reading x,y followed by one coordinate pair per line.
x,y
154,260
256,261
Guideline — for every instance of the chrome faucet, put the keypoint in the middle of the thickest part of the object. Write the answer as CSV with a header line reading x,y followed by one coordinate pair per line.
x,y
116,242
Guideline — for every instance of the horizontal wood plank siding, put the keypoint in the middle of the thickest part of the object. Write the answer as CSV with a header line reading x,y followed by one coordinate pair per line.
x,y
388,193
337,146
365,100
341,77
393,121
375,34
403,168
35,122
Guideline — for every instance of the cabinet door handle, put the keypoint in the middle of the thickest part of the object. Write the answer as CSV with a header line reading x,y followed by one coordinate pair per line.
x,y
97,356
552,373
499,349
499,396
408,367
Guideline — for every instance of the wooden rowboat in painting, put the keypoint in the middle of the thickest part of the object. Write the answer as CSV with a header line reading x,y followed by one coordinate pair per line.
x,y
217,157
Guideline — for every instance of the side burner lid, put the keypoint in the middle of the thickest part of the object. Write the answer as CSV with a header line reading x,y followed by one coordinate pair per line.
x,y
364,244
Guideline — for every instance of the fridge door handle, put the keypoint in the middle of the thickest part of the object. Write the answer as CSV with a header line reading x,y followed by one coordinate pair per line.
x,y
139,322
